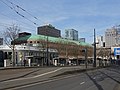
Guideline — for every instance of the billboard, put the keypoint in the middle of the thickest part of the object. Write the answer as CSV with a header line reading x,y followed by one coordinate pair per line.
x,y
116,51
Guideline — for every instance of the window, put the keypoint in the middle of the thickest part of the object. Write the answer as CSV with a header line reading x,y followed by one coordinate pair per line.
x,y
38,42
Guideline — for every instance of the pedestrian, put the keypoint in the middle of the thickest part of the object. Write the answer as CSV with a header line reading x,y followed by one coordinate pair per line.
x,y
24,62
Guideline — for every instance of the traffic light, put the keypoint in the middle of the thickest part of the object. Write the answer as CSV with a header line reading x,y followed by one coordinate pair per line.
x,y
103,44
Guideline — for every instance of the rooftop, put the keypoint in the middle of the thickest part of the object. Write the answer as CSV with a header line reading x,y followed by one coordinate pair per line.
x,y
51,39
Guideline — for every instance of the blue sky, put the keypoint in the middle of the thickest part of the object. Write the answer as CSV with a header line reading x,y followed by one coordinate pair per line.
x,y
82,15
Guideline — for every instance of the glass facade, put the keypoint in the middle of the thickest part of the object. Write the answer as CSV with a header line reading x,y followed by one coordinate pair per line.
x,y
71,34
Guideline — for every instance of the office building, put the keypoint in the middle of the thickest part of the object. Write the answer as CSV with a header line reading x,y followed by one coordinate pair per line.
x,y
48,30
100,41
112,36
71,34
82,39
23,34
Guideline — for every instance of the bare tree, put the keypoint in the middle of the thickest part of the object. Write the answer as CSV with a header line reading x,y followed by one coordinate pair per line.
x,y
10,35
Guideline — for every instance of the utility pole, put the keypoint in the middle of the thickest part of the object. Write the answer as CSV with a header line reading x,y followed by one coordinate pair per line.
x,y
47,53
94,63
86,58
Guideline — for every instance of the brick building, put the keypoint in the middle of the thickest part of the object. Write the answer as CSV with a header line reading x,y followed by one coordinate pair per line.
x,y
68,50
48,30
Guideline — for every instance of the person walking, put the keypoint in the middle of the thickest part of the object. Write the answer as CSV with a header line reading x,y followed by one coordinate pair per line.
x,y
24,62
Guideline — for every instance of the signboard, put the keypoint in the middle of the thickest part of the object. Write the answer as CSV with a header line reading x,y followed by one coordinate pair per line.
x,y
116,51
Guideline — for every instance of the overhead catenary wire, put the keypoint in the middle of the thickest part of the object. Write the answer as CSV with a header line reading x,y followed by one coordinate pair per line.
x,y
6,24
17,12
6,4
15,19
22,9
25,17
19,7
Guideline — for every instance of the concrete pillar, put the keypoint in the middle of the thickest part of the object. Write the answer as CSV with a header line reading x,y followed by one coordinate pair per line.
x,y
5,63
70,62
29,62
55,63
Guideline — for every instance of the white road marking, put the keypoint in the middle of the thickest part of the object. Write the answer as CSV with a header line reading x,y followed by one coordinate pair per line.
x,y
82,83
47,73
34,76
94,78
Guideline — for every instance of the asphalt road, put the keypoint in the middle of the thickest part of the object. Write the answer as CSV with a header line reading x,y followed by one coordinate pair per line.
x,y
10,78
100,79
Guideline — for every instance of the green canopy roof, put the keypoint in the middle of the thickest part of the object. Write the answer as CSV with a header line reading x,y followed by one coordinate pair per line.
x,y
51,39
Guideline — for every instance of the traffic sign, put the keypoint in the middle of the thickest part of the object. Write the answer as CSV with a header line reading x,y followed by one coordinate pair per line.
x,y
116,51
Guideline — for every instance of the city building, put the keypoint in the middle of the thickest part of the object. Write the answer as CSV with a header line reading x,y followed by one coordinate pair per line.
x,y
34,56
48,30
82,39
71,34
46,50
23,34
112,36
100,41
67,50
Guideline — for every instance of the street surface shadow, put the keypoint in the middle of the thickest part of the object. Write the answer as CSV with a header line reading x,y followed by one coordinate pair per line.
x,y
20,76
110,77
114,70
95,82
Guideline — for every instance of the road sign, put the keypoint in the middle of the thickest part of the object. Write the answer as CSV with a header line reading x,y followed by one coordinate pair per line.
x,y
116,51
